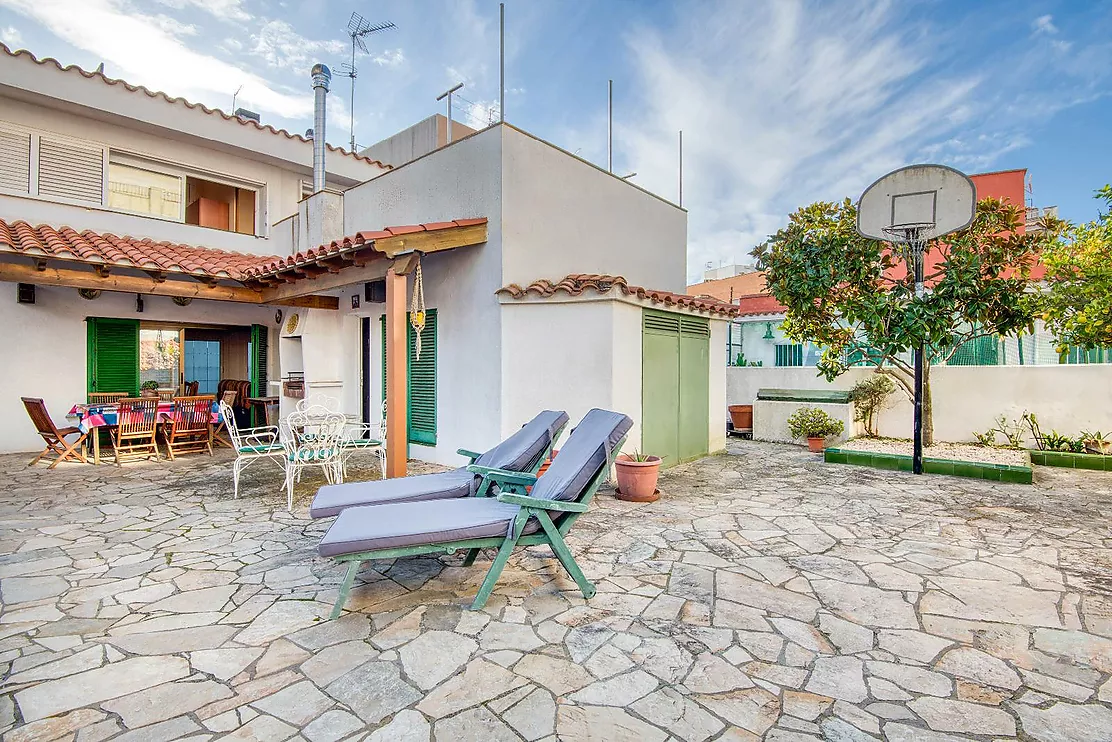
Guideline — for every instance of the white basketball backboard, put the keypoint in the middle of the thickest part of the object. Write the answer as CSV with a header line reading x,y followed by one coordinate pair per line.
x,y
931,199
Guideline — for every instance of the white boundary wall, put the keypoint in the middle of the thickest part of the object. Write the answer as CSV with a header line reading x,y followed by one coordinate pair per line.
x,y
1065,398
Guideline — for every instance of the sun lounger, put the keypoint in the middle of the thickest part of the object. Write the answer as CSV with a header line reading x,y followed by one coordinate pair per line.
x,y
524,451
509,519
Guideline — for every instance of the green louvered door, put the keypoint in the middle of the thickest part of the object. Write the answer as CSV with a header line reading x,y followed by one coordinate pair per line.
x,y
420,380
259,353
113,355
675,386
694,407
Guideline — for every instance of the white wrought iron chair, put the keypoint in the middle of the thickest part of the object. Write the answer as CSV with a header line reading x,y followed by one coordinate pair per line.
x,y
317,404
312,440
251,444
365,437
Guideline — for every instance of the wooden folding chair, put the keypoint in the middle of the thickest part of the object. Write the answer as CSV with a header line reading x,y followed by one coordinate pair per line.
x,y
106,397
189,429
220,432
136,429
55,437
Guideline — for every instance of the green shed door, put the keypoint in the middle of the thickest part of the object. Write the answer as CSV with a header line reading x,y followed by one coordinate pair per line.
x,y
675,386
660,384
694,388
113,355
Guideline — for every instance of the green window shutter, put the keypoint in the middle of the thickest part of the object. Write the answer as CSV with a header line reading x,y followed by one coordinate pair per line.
x,y
789,355
113,355
259,357
420,380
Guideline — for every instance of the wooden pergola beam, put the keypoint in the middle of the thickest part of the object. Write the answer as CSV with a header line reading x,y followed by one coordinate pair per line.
x,y
397,444
89,279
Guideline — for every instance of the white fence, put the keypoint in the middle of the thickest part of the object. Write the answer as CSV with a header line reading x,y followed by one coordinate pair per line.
x,y
1066,398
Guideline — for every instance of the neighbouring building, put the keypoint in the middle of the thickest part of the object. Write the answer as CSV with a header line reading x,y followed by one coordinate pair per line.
x,y
755,337
169,242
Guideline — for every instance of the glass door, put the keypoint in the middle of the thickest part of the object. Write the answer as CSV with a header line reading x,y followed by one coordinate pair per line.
x,y
202,364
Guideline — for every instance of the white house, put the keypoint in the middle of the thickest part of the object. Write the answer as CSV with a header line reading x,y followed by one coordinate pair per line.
x,y
548,282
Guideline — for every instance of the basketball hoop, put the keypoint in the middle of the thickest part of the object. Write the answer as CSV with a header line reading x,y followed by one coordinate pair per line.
x,y
909,241
907,208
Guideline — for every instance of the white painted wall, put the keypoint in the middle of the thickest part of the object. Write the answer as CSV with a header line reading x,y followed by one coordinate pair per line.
x,y
280,197
717,401
966,398
455,182
45,86
563,356
563,215
45,347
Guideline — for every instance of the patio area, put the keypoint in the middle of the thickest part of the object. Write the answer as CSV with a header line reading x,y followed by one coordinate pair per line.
x,y
765,596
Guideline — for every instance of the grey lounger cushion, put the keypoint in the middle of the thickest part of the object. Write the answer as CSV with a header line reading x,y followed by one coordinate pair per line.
x,y
520,452
360,529
371,528
582,455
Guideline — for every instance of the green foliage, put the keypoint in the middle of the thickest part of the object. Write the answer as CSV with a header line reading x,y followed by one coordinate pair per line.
x,y
987,438
811,422
1055,441
740,360
1012,430
854,298
641,457
869,396
149,384
1078,305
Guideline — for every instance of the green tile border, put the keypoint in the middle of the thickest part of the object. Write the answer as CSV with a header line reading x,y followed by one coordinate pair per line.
x,y
1092,461
970,469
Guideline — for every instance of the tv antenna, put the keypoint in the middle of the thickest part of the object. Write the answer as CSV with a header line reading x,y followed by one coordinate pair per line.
x,y
358,27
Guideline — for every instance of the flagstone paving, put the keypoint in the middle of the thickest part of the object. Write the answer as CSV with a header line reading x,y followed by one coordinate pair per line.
x,y
766,596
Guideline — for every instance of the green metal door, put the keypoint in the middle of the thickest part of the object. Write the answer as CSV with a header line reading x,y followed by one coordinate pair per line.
x,y
694,424
675,386
660,383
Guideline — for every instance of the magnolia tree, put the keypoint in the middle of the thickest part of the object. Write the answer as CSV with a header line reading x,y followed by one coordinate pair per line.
x,y
1078,307
856,299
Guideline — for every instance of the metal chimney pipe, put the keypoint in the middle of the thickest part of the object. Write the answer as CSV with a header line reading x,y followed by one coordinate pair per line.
x,y
322,76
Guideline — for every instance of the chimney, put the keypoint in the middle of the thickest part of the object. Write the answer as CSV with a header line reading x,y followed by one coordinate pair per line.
x,y
321,77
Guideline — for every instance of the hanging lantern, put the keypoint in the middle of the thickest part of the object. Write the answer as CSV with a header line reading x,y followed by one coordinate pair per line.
x,y
417,308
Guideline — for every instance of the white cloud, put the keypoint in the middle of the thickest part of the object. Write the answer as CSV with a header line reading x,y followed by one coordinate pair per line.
x,y
816,103
148,52
1044,24
11,36
388,58
281,46
225,10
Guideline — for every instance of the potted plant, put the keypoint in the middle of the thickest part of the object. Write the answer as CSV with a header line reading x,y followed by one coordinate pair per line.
x,y
148,388
741,415
814,425
637,475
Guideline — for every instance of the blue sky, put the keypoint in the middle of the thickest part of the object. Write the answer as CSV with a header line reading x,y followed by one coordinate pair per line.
x,y
781,103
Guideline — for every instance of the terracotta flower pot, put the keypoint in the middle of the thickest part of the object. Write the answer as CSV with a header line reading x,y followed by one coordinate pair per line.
x,y
817,445
637,479
148,392
741,415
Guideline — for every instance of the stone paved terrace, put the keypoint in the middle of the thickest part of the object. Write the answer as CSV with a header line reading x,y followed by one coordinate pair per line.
x,y
766,596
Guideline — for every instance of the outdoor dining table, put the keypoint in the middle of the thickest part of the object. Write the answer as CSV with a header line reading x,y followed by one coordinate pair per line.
x,y
93,416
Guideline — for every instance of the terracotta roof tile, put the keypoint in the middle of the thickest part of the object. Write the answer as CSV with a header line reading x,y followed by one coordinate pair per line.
x,y
65,243
576,284
181,101
360,239
90,247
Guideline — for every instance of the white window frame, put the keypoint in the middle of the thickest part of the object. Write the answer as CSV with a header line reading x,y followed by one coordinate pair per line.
x,y
33,179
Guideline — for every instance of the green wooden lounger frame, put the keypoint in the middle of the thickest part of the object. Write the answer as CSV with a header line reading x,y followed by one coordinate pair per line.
x,y
512,492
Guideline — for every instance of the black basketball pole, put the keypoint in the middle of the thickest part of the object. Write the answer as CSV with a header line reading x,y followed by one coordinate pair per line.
x,y
917,250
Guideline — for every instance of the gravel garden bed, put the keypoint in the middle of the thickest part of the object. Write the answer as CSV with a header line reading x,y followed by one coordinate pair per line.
x,y
951,451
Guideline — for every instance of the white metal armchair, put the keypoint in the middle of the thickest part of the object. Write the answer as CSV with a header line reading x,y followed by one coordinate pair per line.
x,y
313,440
367,438
251,444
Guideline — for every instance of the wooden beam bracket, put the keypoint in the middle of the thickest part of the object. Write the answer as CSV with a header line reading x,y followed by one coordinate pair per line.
x,y
102,271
